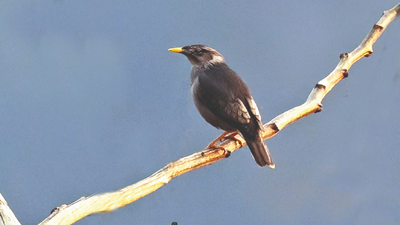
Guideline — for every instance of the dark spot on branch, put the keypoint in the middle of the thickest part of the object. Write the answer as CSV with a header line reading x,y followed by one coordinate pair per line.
x,y
54,210
228,153
378,27
320,86
319,109
202,153
273,127
58,208
368,53
345,73
174,223
344,55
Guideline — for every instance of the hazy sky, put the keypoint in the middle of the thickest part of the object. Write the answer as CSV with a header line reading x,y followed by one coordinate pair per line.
x,y
92,101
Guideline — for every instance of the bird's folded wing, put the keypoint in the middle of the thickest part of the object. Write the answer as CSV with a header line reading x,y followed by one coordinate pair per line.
x,y
236,110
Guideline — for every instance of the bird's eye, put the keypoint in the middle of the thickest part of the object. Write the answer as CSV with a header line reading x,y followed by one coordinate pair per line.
x,y
198,51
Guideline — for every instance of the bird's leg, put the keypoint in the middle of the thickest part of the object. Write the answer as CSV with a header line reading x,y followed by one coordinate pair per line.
x,y
212,144
232,135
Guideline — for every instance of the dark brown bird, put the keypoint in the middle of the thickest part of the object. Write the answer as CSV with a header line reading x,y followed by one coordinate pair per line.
x,y
224,100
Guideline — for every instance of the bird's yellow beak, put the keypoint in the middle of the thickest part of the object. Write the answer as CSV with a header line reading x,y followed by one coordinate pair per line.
x,y
177,50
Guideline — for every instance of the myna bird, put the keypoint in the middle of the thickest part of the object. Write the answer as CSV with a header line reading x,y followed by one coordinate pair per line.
x,y
224,100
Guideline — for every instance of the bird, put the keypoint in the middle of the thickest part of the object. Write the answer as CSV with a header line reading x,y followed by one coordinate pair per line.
x,y
224,100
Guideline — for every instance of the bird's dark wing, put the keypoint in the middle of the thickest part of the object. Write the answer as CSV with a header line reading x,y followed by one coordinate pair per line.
x,y
223,92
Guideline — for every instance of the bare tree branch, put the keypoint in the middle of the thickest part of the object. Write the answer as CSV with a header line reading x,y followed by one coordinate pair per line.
x,y
68,214
7,217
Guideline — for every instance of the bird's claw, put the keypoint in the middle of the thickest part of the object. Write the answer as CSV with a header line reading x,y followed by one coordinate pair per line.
x,y
226,135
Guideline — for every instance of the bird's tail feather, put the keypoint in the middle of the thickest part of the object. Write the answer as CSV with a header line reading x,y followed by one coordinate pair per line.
x,y
260,151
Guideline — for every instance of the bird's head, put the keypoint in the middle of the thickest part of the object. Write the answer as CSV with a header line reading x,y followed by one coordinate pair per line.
x,y
200,55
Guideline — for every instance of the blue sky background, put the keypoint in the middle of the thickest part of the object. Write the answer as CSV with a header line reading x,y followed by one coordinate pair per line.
x,y
92,101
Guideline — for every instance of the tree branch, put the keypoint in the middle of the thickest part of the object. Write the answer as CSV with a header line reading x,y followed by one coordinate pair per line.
x,y
68,214
7,217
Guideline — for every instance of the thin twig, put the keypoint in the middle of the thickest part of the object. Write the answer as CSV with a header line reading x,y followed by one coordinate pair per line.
x,y
68,214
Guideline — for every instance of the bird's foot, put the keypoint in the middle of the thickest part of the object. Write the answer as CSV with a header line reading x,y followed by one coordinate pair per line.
x,y
213,143
224,136
234,136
